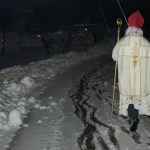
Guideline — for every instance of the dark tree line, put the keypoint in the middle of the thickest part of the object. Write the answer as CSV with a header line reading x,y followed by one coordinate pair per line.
x,y
42,16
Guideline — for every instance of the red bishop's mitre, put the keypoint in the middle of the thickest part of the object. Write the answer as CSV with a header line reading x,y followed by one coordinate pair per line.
x,y
136,20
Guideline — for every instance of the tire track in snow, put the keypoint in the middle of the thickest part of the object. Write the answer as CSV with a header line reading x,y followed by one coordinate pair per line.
x,y
85,139
82,107
111,131
92,120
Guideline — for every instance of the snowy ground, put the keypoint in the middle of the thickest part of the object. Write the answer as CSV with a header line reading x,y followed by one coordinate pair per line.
x,y
64,103
92,100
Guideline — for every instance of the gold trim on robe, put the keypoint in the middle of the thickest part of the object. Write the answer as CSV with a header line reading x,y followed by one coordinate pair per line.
x,y
133,56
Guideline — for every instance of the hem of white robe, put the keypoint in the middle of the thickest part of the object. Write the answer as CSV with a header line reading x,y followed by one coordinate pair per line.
x,y
143,106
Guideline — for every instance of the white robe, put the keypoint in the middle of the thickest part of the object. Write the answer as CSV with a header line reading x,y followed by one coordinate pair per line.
x,y
132,54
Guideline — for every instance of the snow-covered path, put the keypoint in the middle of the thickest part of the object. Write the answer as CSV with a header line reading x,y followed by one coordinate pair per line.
x,y
54,126
74,112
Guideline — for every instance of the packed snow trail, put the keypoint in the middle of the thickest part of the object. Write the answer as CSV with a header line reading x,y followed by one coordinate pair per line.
x,y
54,126
86,113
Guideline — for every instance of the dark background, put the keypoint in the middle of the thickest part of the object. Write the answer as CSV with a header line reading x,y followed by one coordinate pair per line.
x,y
22,15
22,20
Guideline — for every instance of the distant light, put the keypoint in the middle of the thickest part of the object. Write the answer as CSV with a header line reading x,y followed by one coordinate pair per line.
x,y
38,35
86,29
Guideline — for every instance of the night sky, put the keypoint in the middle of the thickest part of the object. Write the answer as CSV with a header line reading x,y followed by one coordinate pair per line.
x,y
64,13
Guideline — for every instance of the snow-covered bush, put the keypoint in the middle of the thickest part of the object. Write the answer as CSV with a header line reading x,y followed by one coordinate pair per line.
x,y
15,119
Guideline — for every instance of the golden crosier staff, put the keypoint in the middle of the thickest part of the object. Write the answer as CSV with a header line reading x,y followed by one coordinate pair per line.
x,y
119,24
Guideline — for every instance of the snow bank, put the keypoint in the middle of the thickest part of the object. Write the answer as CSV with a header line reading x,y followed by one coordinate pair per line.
x,y
13,104
47,69
18,81
27,81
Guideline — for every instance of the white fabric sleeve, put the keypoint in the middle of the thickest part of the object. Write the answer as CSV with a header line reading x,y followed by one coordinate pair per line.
x,y
114,54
